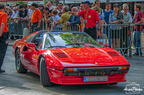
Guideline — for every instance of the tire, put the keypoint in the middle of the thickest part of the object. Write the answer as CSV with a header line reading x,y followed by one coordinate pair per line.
x,y
19,67
44,77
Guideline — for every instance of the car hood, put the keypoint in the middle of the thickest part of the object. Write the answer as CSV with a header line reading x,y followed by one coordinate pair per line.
x,y
88,55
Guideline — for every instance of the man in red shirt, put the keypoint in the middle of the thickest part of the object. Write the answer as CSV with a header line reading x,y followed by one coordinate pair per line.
x,y
90,17
139,29
3,35
36,18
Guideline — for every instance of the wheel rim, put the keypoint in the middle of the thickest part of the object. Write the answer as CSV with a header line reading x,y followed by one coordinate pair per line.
x,y
17,61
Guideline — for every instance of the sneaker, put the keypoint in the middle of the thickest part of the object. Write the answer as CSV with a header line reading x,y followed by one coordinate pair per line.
x,y
135,54
2,71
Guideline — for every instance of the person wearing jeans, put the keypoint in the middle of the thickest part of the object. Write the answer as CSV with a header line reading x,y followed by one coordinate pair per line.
x,y
138,30
137,43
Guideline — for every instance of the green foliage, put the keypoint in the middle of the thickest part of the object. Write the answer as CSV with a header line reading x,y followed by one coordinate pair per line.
x,y
21,3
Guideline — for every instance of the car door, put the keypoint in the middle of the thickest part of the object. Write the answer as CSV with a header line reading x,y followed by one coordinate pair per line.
x,y
30,53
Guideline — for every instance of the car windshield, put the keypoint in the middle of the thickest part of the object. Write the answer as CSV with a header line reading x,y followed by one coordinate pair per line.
x,y
68,39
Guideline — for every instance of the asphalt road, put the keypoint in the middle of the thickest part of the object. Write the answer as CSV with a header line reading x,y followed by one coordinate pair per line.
x,y
13,83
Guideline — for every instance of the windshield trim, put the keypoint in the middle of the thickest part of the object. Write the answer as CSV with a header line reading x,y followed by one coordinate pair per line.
x,y
44,39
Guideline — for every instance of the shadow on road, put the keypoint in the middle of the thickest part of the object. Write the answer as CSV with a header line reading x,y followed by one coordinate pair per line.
x,y
100,89
18,80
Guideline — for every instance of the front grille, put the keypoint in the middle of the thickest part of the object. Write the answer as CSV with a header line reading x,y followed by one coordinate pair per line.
x,y
95,71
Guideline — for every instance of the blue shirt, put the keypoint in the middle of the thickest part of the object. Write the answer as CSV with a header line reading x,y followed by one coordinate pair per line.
x,y
101,17
106,15
113,18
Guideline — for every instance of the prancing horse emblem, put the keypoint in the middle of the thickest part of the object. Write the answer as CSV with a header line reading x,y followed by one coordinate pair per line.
x,y
96,63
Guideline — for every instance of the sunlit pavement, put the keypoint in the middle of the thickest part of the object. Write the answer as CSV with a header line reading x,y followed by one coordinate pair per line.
x,y
13,83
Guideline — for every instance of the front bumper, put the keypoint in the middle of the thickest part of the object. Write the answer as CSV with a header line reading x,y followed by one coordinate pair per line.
x,y
58,77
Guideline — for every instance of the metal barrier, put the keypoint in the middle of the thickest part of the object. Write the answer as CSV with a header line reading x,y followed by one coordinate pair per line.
x,y
124,38
16,28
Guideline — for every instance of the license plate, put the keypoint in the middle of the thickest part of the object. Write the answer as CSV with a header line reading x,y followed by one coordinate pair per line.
x,y
95,79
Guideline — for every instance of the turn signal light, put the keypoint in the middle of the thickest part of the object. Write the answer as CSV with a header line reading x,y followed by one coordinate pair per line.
x,y
71,69
124,68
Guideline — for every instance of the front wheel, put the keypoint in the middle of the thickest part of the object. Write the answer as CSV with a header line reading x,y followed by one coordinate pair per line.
x,y
19,67
44,77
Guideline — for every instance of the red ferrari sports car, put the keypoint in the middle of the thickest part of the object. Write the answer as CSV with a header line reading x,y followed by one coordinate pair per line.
x,y
68,58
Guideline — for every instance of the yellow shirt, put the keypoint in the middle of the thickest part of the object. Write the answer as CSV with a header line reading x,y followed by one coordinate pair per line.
x,y
64,18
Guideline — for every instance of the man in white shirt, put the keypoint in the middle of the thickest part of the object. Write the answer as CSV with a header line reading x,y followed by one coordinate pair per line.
x,y
126,28
30,11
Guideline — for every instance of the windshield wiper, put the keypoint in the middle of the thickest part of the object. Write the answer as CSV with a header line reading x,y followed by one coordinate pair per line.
x,y
89,45
57,47
82,45
75,44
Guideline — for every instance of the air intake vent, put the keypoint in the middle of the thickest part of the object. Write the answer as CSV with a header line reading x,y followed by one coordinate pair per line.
x,y
61,55
113,53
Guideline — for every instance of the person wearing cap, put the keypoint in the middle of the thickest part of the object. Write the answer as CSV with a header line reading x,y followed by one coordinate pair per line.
x,y
3,35
116,18
36,18
90,17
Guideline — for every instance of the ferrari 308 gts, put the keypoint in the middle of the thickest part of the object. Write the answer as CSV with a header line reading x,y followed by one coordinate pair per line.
x,y
69,58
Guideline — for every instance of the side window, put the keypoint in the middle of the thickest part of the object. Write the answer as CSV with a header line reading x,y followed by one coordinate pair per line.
x,y
29,39
38,40
47,43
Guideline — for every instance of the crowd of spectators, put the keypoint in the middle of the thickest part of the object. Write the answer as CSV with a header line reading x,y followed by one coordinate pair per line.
x,y
65,17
